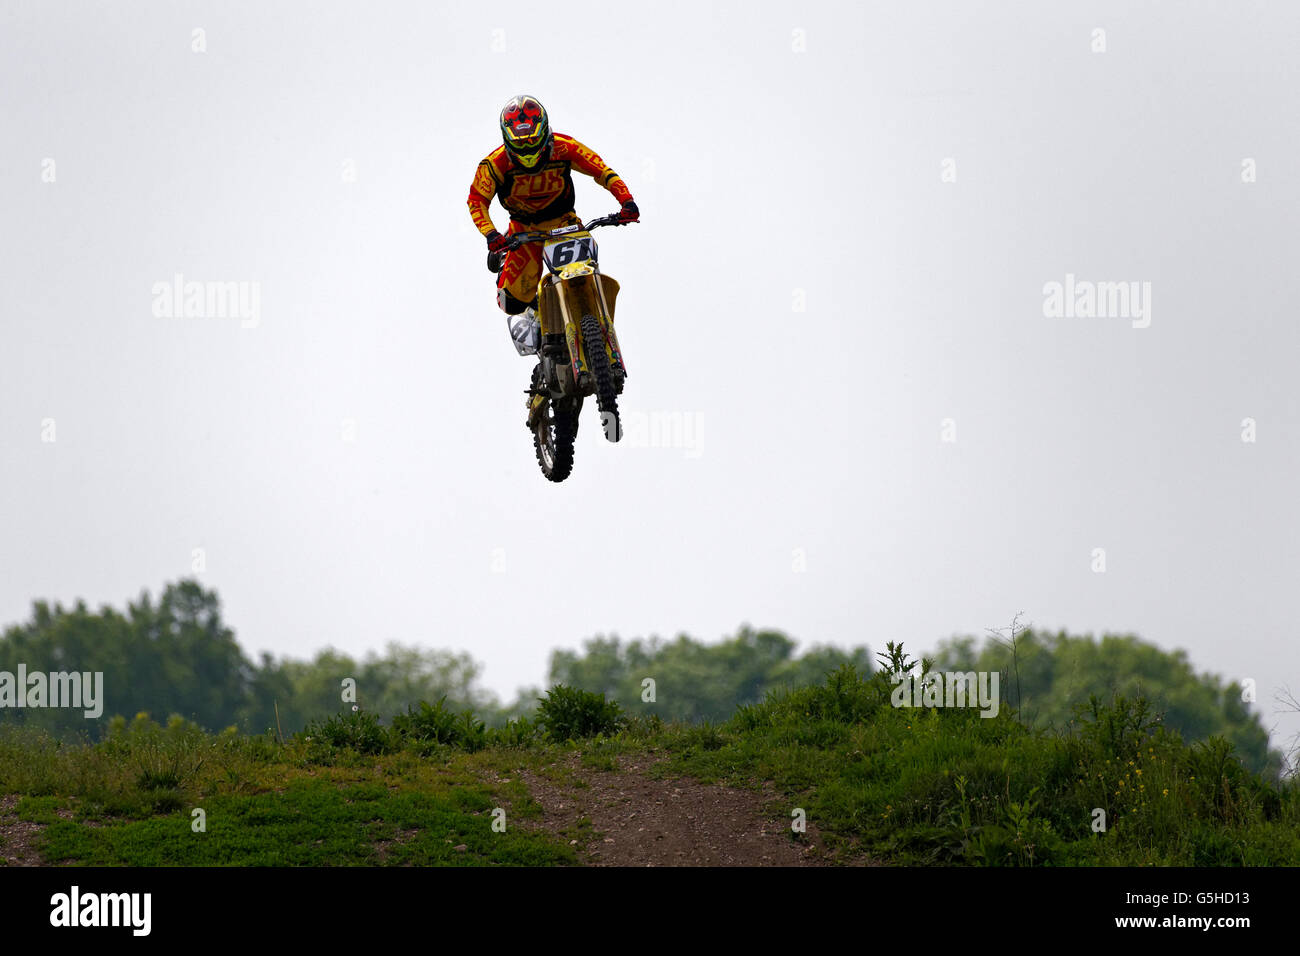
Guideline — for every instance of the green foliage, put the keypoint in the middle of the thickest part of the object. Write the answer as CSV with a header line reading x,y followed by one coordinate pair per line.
x,y
705,736
165,759
515,734
844,697
175,655
896,662
425,729
1059,673
1118,730
427,724
386,684
1020,838
358,731
1178,765
697,681
920,785
567,713
932,785
420,815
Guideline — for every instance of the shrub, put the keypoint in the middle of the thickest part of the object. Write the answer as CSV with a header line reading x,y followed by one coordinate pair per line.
x,y
434,723
429,725
517,733
1118,730
163,758
359,730
567,713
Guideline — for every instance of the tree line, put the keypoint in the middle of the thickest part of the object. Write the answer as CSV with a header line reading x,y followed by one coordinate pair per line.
x,y
176,655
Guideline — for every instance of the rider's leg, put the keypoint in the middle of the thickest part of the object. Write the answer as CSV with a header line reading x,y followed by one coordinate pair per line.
x,y
516,294
517,287
522,322
522,270
512,306
518,278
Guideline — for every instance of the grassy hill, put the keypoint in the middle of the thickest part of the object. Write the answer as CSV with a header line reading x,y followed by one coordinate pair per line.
x,y
875,783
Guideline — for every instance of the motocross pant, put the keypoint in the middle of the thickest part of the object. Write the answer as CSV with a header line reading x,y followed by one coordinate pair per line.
x,y
519,276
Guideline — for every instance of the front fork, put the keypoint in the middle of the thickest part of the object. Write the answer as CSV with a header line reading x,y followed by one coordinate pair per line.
x,y
573,339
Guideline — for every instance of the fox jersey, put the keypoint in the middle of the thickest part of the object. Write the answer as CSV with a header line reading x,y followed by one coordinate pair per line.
x,y
540,194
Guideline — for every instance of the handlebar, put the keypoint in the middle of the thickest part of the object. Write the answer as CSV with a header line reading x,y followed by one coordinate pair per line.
x,y
521,238
496,260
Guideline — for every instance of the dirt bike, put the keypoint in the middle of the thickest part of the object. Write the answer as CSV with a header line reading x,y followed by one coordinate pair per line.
x,y
579,353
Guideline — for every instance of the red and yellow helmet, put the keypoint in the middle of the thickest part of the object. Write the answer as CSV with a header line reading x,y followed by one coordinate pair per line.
x,y
526,130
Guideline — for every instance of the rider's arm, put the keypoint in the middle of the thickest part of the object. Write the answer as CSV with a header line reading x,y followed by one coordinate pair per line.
x,y
481,192
585,161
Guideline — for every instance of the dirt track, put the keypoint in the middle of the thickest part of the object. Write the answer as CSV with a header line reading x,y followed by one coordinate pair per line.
x,y
17,837
642,821
635,820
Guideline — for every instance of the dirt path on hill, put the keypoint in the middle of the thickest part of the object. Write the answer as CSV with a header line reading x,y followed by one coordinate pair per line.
x,y
642,821
612,817
17,837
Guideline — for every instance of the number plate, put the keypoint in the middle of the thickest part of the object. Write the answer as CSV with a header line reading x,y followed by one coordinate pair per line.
x,y
560,254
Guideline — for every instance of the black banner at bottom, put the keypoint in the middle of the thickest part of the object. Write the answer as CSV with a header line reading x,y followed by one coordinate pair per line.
x,y
336,906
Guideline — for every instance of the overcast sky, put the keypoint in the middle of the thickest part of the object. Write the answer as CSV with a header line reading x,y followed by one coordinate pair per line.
x,y
837,295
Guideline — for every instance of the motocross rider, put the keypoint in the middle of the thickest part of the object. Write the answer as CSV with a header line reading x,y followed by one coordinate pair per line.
x,y
531,175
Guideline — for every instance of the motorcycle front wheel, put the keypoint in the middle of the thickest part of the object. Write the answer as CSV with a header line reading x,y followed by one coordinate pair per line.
x,y
593,344
555,432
